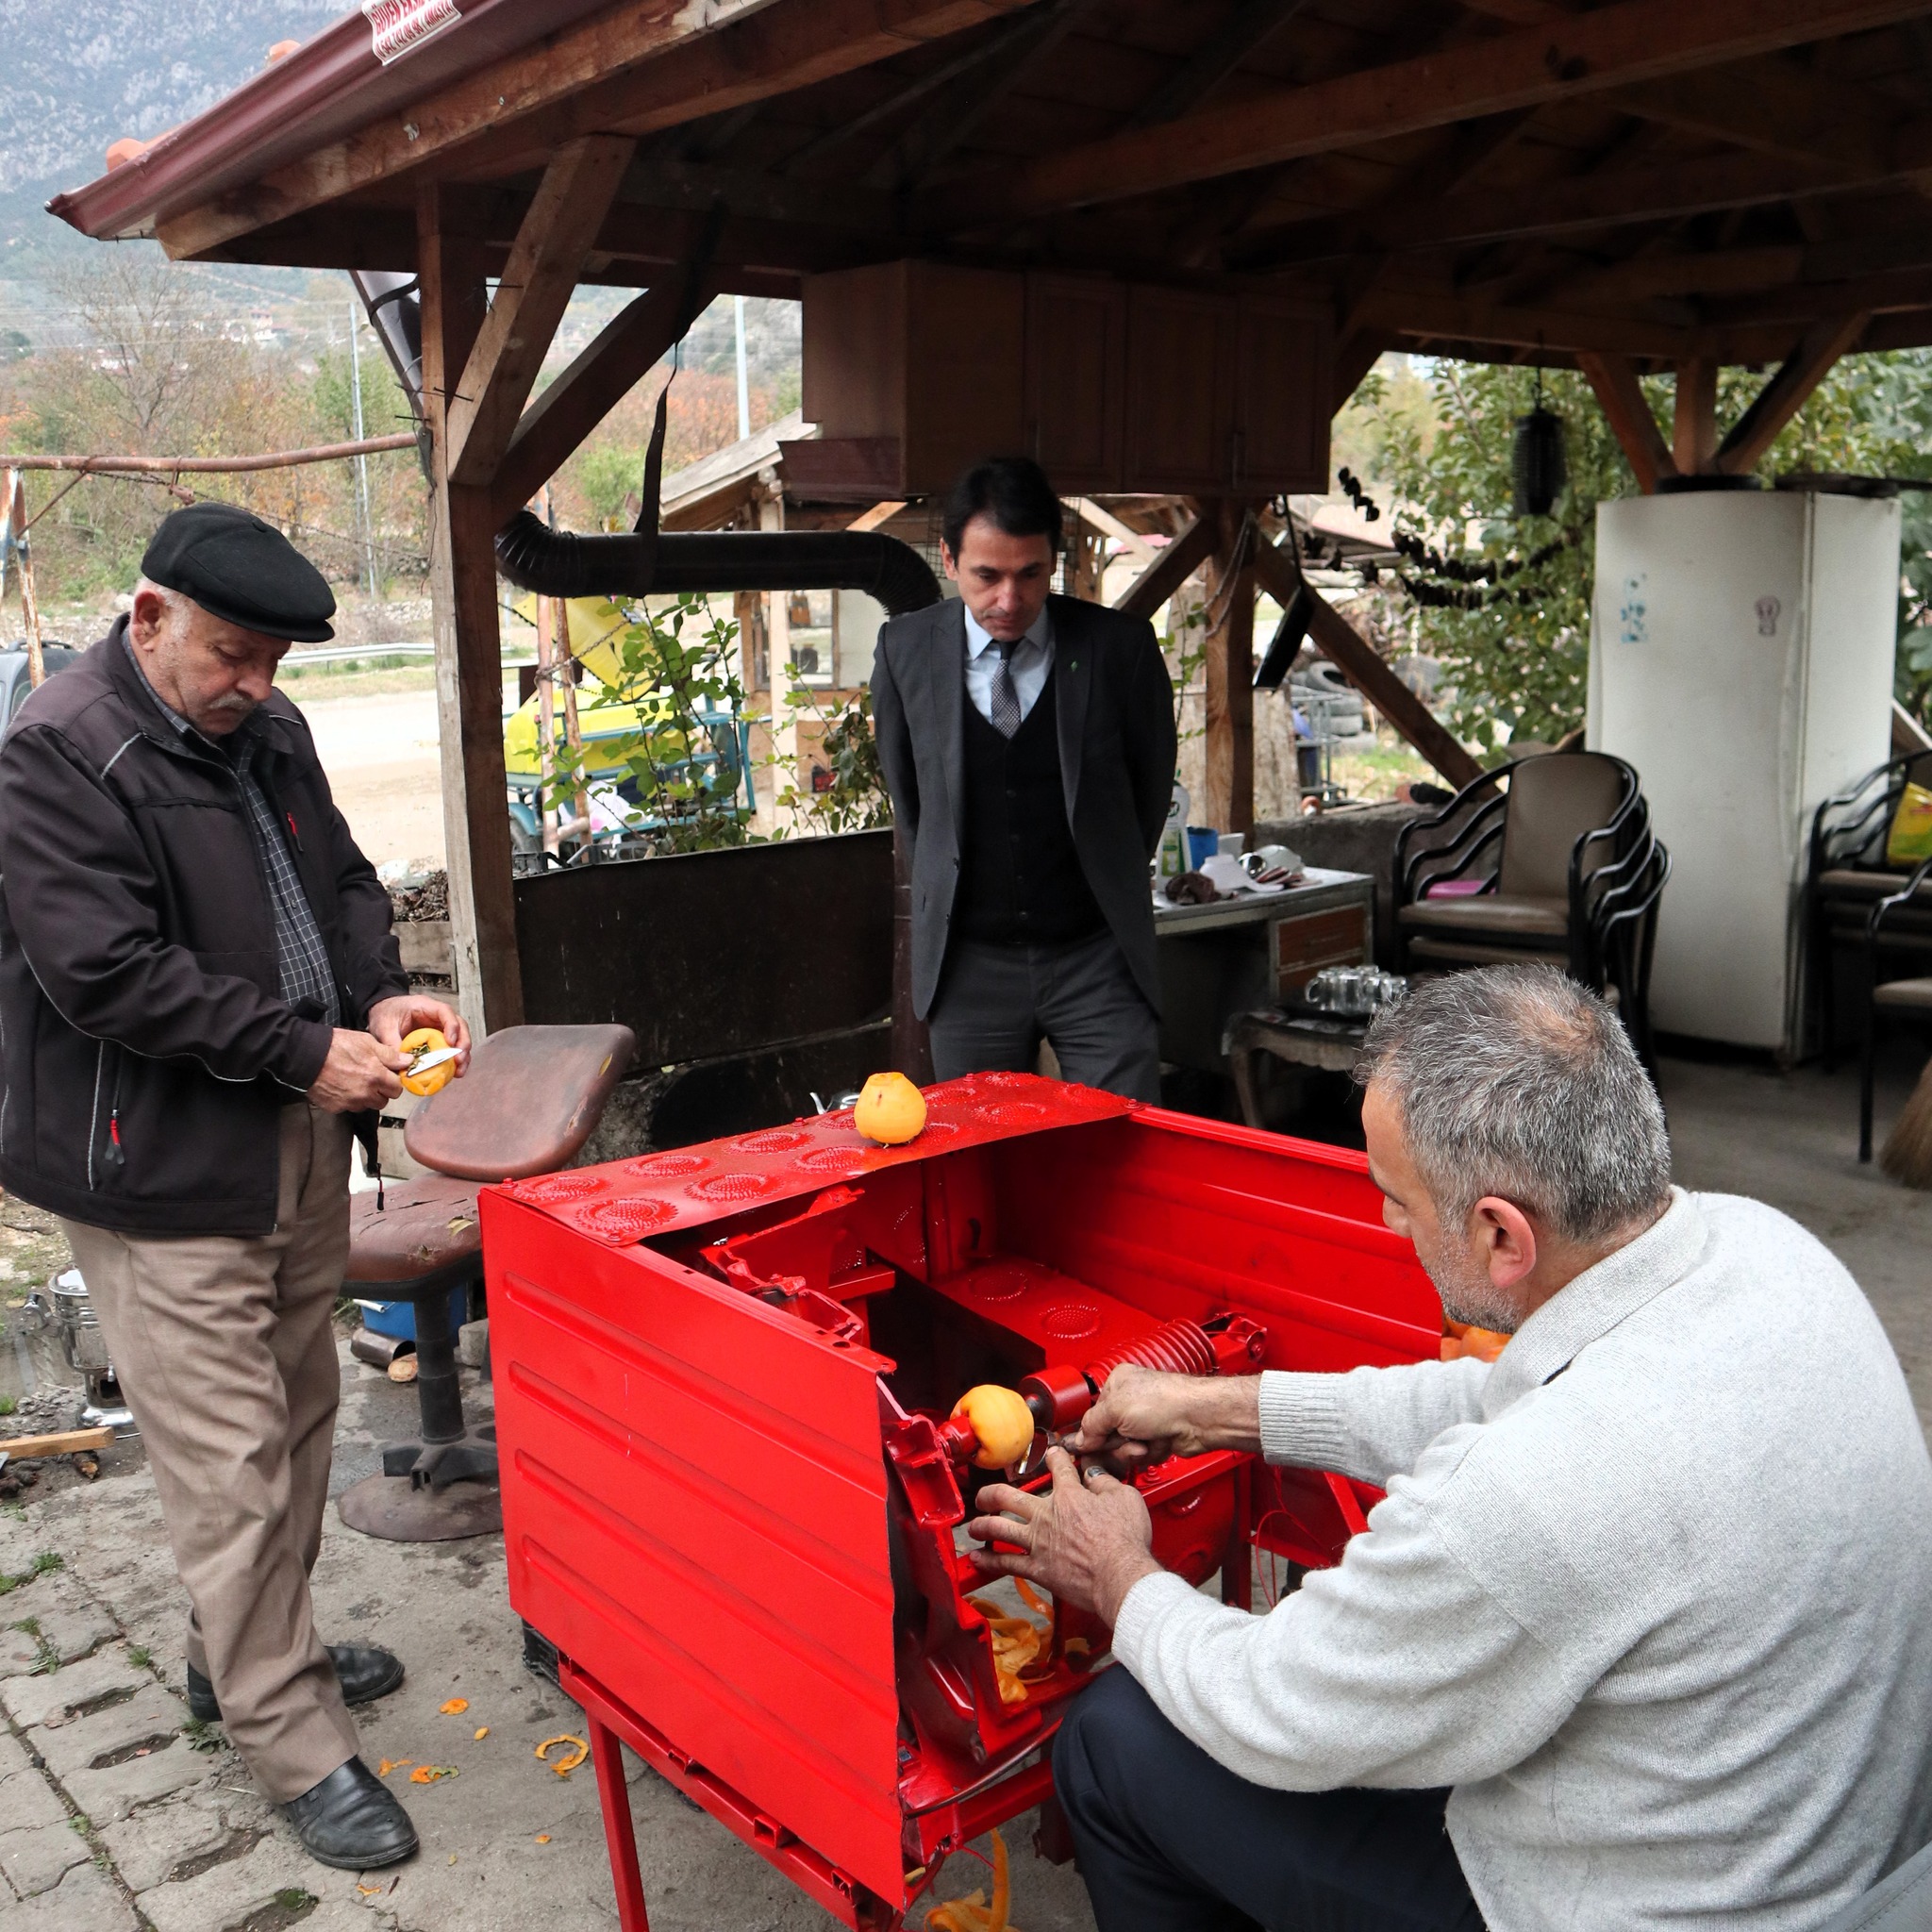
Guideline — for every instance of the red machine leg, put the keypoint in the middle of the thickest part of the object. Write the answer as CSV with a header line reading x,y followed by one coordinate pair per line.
x,y
606,1753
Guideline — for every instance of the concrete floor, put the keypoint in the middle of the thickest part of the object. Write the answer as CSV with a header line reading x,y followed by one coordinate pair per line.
x,y
175,1836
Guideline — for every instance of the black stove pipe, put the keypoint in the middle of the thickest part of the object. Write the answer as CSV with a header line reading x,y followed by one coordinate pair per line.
x,y
560,563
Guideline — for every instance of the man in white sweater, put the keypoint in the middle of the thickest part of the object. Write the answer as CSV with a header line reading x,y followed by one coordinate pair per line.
x,y
1645,1622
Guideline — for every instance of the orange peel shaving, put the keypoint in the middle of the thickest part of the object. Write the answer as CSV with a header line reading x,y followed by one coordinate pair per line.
x,y
975,1912
454,1708
430,1774
482,1732
390,1764
580,1750
1019,1646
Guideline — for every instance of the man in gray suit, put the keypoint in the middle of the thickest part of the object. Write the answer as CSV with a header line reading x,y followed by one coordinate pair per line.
x,y
1028,745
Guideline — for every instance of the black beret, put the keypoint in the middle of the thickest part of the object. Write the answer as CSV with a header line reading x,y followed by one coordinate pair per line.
x,y
237,567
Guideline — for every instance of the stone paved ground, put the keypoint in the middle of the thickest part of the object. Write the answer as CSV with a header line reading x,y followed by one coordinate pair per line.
x,y
116,1814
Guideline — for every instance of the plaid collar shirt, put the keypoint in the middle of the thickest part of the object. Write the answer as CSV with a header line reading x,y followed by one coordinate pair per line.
x,y
302,958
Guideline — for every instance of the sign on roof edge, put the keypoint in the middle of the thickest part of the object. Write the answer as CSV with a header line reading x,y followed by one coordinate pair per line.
x,y
396,26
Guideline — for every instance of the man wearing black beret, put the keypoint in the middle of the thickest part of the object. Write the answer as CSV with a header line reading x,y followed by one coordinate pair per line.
x,y
199,989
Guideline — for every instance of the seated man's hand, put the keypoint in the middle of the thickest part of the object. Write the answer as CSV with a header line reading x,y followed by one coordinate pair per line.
x,y
359,1073
391,1019
1145,1415
1088,1540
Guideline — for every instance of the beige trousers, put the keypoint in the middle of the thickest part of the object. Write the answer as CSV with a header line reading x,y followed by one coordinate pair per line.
x,y
224,1351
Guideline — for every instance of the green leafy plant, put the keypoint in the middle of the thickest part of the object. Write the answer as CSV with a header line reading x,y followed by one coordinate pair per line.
x,y
1502,602
677,763
852,797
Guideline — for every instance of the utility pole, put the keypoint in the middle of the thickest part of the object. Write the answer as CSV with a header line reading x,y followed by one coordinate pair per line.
x,y
743,385
362,461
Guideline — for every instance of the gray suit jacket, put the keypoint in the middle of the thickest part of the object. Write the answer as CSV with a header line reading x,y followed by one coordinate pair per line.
x,y
1115,707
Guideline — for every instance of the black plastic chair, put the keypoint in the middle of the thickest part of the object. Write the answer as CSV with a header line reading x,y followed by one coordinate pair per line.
x,y
1896,1001
1847,873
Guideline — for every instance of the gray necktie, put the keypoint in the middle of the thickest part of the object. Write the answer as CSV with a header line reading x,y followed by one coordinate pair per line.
x,y
1005,697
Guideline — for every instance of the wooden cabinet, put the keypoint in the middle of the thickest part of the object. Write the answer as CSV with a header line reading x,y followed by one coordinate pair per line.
x,y
1076,330
915,369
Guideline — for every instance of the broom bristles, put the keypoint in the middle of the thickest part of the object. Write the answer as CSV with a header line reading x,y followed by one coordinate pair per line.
x,y
1906,1155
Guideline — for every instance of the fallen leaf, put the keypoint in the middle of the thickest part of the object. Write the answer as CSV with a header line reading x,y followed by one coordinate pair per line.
x,y
482,1732
429,1773
542,1838
455,1707
452,1857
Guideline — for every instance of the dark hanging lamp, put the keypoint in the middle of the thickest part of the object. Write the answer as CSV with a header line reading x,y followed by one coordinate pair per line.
x,y
1535,458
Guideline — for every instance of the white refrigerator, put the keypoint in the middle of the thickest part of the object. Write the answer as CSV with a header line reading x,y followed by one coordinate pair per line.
x,y
1740,658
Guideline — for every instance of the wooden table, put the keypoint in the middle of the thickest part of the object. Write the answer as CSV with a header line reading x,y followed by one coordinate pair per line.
x,y
1253,952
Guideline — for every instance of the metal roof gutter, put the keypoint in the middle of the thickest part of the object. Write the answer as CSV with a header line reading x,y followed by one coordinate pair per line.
x,y
323,91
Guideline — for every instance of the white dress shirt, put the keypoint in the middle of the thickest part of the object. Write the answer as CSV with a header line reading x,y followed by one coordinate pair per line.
x,y
1031,660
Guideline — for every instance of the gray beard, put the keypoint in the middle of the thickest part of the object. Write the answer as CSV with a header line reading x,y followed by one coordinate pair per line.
x,y
1474,1300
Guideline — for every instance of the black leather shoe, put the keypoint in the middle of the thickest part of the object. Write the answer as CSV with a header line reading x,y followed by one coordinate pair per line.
x,y
351,1820
364,1672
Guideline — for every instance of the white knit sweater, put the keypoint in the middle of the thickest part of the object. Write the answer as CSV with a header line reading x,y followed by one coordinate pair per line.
x,y
1654,1594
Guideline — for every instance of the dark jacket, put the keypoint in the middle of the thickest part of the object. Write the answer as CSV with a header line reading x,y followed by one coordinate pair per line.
x,y
145,1049
1115,710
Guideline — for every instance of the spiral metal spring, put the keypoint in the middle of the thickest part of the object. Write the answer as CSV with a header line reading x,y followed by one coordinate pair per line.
x,y
1180,1348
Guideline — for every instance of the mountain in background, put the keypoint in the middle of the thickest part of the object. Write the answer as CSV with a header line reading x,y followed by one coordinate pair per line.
x,y
76,74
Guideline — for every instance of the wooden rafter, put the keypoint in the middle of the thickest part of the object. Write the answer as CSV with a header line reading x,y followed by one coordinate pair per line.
x,y
1169,571
1775,107
1361,664
633,70
1214,61
1613,197
1693,416
1627,409
545,262
1615,45
1026,45
1785,394
623,353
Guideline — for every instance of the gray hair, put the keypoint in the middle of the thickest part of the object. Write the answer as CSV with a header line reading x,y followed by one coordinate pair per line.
x,y
1515,1081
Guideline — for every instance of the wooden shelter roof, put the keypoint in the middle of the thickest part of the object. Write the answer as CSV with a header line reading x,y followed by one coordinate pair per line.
x,y
1655,180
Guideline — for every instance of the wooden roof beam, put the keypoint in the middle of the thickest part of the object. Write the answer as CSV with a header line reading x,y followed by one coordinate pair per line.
x,y
1361,664
545,259
1616,45
1775,107
1627,409
1655,192
1786,393
624,353
1170,569
634,69
1214,61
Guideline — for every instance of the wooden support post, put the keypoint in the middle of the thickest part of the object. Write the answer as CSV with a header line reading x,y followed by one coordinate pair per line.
x,y
546,723
1230,805
1693,429
469,653
1356,659
1787,392
1627,408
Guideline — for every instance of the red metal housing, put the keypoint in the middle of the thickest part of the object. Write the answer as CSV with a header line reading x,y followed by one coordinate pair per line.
x,y
722,1374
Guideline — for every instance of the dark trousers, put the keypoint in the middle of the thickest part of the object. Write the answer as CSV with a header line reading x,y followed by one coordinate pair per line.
x,y
996,1003
1169,1840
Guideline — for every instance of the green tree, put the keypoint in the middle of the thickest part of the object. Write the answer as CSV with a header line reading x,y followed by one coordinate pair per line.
x,y
1502,602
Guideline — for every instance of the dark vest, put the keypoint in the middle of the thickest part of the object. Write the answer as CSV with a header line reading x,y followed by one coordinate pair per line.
x,y
1020,876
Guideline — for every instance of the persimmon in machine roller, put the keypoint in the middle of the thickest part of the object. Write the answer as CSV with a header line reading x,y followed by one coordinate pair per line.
x,y
734,1480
